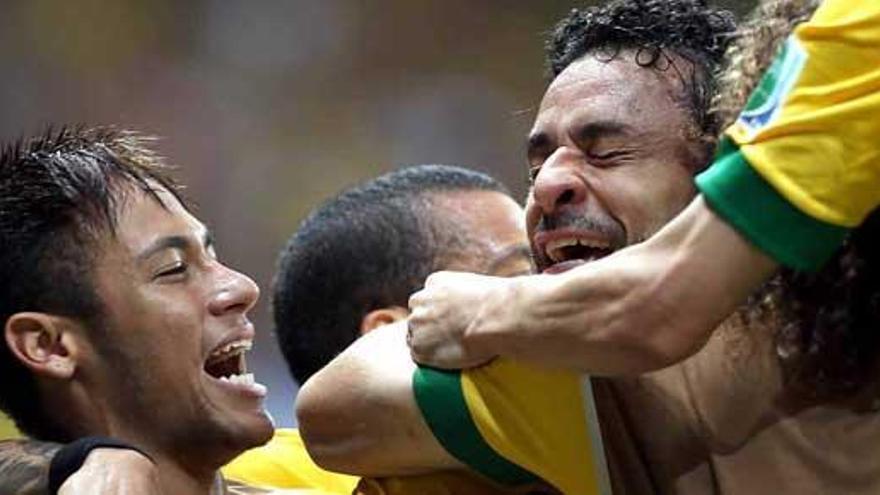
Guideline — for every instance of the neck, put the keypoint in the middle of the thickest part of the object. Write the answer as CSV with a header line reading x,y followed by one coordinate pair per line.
x,y
181,471
178,479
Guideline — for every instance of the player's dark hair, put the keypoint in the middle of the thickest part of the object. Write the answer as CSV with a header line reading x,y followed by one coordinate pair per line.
x,y
652,32
370,247
59,196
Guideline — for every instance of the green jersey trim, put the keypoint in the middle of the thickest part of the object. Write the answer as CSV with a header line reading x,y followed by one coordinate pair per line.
x,y
441,399
754,208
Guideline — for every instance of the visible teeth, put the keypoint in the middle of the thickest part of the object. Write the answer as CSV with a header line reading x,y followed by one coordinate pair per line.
x,y
554,247
246,382
238,346
246,379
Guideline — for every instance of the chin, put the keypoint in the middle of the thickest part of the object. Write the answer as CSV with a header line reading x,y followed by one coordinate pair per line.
x,y
255,430
265,430
234,435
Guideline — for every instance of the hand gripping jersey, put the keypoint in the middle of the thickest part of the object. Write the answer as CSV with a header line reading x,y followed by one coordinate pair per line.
x,y
801,165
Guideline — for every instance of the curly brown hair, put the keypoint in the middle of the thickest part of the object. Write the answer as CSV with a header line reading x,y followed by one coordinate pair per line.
x,y
827,341
651,31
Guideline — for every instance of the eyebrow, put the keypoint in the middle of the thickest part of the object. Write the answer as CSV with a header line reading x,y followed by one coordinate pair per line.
x,y
175,242
509,253
588,131
597,129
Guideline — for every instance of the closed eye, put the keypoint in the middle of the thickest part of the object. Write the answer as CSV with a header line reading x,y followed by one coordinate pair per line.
x,y
607,155
176,269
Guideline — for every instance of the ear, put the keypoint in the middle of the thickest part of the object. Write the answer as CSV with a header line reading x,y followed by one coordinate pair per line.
x,y
42,342
381,317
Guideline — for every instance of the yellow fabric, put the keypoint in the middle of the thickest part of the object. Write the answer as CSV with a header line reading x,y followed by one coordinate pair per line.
x,y
821,151
445,483
540,419
284,463
7,428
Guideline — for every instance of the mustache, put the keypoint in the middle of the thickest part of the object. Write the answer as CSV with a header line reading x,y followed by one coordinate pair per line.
x,y
603,224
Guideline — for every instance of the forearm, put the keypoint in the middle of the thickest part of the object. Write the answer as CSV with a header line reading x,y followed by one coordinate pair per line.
x,y
358,415
641,309
24,466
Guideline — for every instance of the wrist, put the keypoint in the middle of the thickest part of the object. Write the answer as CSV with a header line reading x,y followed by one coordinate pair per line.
x,y
501,317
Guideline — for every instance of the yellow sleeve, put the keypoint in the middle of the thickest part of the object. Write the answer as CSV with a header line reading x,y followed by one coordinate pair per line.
x,y
285,463
7,428
510,420
811,128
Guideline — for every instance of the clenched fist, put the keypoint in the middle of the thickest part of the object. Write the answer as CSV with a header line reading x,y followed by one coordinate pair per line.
x,y
452,313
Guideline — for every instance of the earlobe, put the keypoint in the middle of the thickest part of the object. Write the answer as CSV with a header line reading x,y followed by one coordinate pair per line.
x,y
42,343
381,317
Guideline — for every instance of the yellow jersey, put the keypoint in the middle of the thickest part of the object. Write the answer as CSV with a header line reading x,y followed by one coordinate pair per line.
x,y
517,424
283,466
7,428
283,462
801,165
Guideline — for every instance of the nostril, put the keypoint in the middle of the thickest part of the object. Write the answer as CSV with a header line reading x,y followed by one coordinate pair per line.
x,y
566,197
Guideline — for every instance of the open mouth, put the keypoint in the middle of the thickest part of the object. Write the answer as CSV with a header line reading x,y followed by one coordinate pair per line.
x,y
568,252
227,365
568,249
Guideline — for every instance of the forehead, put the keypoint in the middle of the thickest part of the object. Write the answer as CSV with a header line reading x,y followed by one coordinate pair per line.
x,y
489,216
493,225
616,91
142,219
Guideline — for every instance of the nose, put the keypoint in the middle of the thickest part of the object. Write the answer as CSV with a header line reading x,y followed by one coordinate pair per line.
x,y
558,183
235,293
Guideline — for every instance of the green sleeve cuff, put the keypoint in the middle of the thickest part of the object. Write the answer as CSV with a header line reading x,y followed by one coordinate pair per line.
x,y
753,207
440,397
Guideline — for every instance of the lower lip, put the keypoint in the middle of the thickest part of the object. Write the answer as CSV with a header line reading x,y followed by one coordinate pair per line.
x,y
253,390
563,266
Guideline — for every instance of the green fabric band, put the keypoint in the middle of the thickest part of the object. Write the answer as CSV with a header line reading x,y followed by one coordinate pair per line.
x,y
754,208
441,400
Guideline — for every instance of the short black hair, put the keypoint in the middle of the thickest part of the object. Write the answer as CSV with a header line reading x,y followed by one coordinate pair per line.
x,y
651,30
369,247
59,195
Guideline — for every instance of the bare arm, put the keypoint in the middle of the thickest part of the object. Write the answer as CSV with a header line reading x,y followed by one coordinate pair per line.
x,y
638,310
358,415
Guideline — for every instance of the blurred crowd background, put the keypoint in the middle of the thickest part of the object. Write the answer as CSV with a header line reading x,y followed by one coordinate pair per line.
x,y
269,107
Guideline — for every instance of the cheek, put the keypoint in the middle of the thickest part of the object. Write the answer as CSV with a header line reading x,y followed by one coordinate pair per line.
x,y
668,203
646,203
171,328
